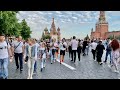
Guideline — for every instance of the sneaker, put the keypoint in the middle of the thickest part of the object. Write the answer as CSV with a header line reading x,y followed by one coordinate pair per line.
x,y
44,66
116,71
1,78
101,63
41,69
28,77
105,61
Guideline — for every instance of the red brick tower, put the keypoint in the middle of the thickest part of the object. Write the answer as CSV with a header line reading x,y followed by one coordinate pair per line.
x,y
102,25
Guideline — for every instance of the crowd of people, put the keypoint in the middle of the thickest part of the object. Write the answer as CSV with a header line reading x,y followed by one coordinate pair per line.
x,y
32,50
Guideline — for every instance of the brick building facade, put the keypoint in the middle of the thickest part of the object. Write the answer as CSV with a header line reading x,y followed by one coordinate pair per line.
x,y
101,28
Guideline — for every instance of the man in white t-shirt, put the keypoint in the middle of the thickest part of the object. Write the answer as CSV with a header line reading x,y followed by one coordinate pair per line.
x,y
93,48
74,44
18,50
5,53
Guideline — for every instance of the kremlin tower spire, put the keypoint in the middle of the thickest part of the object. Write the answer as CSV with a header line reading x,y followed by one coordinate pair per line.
x,y
102,18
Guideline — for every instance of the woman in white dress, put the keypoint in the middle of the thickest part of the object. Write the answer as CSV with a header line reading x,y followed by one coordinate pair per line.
x,y
115,54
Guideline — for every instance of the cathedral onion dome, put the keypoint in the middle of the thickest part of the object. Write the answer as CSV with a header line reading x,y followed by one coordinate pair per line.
x,y
58,29
46,29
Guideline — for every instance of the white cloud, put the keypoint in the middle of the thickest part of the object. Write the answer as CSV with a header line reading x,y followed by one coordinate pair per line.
x,y
38,20
58,12
75,18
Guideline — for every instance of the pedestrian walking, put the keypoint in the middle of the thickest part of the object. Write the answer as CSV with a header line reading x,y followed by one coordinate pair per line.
x,y
31,53
62,50
18,50
115,54
70,49
74,44
108,51
5,56
43,56
99,50
37,49
79,48
84,46
93,48
52,52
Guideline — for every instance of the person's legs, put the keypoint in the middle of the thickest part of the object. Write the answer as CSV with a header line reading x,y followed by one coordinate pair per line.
x,y
29,67
87,50
63,55
41,63
93,52
79,56
44,64
51,56
60,59
69,52
74,55
5,67
32,68
35,66
1,67
16,60
111,62
107,53
63,58
115,65
21,61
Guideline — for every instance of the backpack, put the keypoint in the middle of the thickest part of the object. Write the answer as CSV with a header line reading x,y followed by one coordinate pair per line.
x,y
108,47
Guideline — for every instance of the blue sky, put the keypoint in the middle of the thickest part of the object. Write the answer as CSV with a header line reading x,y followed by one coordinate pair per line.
x,y
78,23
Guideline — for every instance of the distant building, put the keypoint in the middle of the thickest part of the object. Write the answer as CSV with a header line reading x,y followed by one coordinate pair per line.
x,y
101,29
54,34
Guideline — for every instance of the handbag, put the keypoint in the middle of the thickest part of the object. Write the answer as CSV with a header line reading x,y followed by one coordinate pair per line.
x,y
26,58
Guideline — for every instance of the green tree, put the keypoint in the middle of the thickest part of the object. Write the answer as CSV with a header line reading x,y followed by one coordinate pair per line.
x,y
46,37
8,21
111,37
25,30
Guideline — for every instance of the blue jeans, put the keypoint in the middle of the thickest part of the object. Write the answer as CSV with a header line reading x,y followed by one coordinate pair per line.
x,y
35,66
108,53
87,50
43,63
4,67
52,56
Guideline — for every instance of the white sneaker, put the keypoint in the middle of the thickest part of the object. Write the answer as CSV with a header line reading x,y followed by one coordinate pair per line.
x,y
116,71
44,66
28,77
31,78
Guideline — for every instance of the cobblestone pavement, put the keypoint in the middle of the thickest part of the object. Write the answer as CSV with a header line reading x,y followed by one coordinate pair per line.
x,y
85,69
